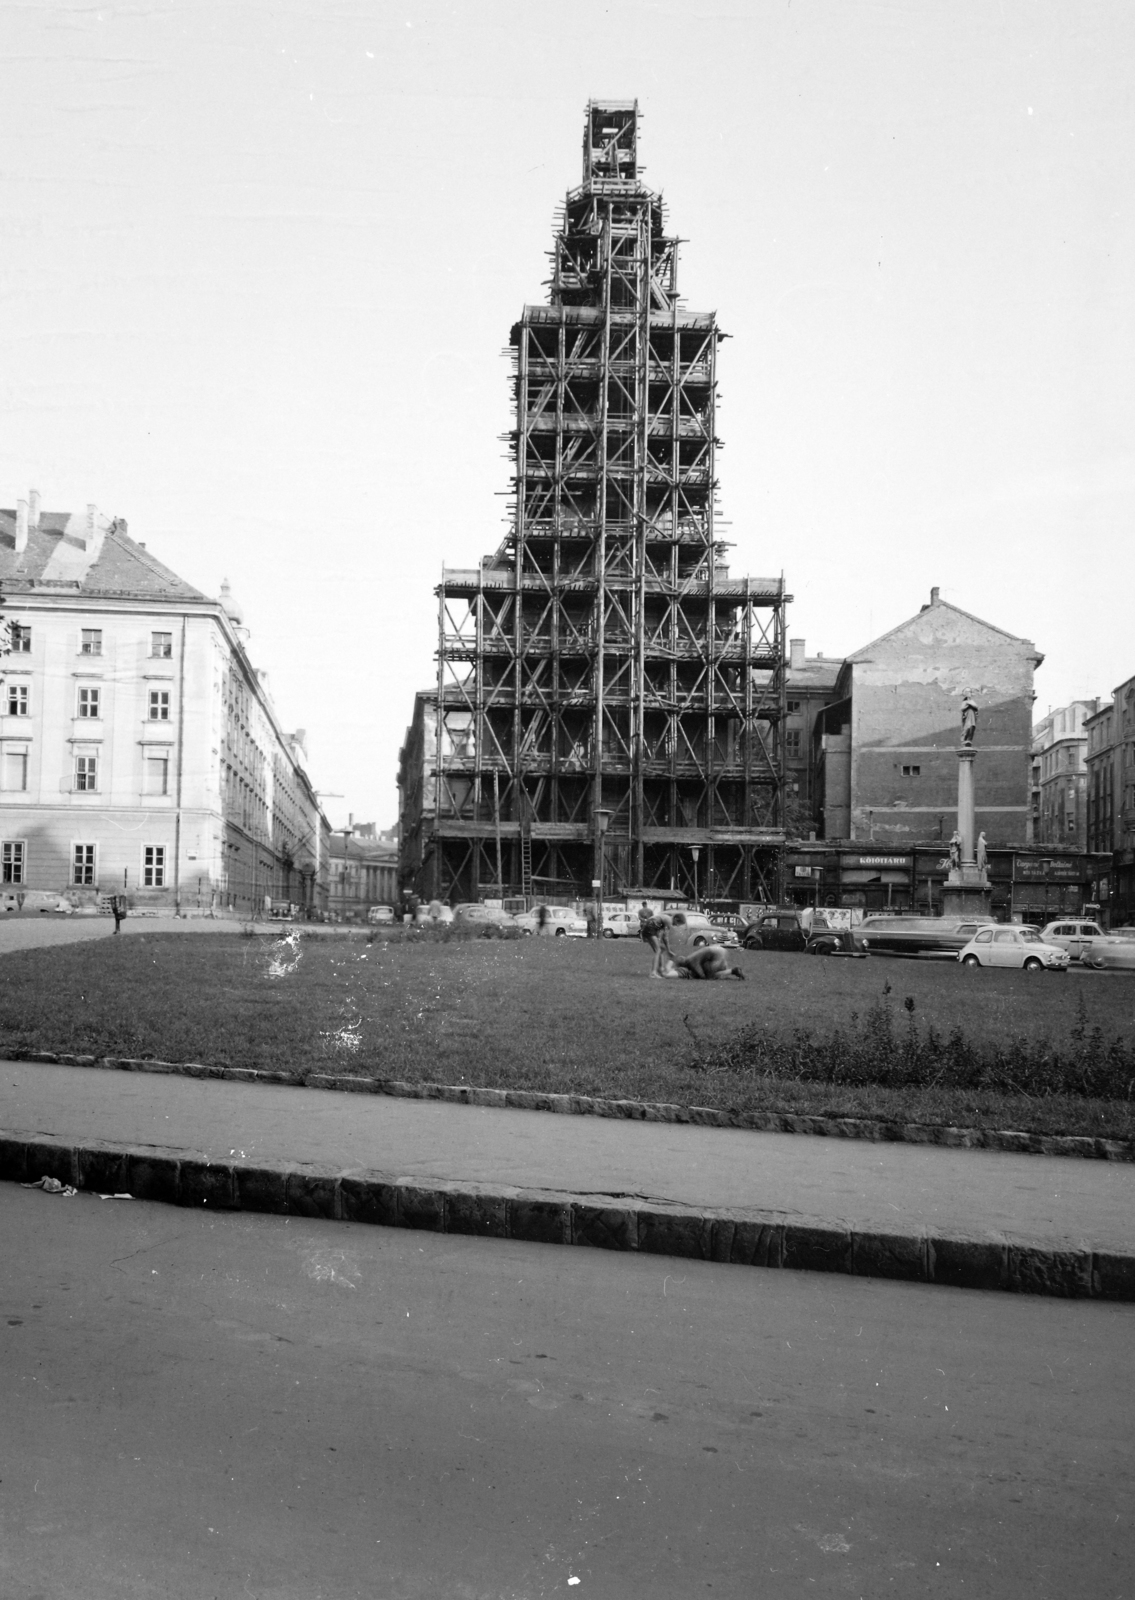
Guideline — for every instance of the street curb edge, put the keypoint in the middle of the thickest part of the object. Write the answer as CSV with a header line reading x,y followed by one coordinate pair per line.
x,y
610,1222
876,1131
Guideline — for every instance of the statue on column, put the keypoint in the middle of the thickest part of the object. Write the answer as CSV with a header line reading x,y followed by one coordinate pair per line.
x,y
982,852
969,720
955,849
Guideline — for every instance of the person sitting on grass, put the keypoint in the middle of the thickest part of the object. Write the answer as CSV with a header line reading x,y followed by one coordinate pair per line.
x,y
709,962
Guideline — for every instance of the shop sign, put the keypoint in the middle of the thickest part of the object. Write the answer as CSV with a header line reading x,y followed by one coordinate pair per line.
x,y
879,861
1030,869
808,872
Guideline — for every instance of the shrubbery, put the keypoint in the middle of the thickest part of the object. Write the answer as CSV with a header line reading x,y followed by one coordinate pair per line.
x,y
900,1052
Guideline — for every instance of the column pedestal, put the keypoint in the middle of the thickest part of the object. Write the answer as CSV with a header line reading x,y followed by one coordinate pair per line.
x,y
966,893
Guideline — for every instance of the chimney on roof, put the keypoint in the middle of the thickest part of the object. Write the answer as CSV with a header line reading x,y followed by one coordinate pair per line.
x,y
33,508
21,525
934,596
796,654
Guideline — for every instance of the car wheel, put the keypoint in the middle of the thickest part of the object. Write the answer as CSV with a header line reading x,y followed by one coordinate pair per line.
x,y
1033,965
753,944
560,932
699,943
608,933
1097,962
970,961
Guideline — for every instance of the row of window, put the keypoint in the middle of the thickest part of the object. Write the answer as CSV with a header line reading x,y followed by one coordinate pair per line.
x,y
14,773
88,704
84,858
90,642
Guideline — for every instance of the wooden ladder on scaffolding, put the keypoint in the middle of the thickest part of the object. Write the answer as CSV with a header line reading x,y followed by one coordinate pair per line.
x,y
525,859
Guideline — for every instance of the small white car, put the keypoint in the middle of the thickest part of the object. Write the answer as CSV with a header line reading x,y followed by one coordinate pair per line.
x,y
561,922
1013,946
1073,935
621,925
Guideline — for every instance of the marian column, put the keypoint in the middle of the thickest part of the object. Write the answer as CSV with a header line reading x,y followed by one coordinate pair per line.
x,y
967,892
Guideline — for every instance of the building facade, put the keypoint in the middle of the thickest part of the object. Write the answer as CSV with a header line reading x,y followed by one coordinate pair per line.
x,y
885,750
1110,779
1060,813
364,872
810,688
598,715
139,748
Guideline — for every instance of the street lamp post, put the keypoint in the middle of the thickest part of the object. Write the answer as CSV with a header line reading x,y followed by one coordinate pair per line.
x,y
602,823
695,851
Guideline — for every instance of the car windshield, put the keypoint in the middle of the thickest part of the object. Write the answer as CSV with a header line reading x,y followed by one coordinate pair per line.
x,y
1031,936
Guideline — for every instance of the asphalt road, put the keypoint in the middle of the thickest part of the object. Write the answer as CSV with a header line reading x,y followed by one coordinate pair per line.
x,y
201,1405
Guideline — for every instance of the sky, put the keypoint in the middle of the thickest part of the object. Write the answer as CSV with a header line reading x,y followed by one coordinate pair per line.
x,y
259,262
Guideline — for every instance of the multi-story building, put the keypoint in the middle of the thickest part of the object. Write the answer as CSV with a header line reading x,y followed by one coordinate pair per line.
x,y
1110,763
598,716
139,748
1058,755
886,747
810,687
364,872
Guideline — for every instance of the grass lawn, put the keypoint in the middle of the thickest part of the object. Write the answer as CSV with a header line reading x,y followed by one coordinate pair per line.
x,y
554,1014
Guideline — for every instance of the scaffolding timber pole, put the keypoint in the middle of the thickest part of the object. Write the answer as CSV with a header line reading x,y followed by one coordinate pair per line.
x,y
603,660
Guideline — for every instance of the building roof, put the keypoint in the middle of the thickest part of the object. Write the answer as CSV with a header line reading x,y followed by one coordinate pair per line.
x,y
373,852
70,551
937,604
818,672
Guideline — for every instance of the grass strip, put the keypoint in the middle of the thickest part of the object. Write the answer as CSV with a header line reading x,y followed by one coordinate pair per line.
x,y
821,1038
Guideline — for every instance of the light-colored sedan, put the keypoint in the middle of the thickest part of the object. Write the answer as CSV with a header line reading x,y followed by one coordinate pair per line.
x,y
690,930
489,922
1115,950
560,922
621,925
1074,935
1013,946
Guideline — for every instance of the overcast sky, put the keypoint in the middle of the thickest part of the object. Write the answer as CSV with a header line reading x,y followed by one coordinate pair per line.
x,y
258,263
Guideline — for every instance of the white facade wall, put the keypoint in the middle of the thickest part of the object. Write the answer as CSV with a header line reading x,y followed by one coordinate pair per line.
x,y
188,846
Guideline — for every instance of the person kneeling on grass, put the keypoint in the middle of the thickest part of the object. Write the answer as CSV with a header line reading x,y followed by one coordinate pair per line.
x,y
708,962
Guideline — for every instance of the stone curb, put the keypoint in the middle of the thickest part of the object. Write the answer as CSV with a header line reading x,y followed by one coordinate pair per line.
x,y
606,1222
1044,1144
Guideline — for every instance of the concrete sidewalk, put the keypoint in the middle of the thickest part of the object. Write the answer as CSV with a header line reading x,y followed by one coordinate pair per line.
x,y
971,1217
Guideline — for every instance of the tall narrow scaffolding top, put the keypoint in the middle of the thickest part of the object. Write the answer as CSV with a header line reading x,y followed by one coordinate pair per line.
x,y
610,143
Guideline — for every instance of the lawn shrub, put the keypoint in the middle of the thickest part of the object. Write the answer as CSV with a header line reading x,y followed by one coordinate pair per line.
x,y
895,1051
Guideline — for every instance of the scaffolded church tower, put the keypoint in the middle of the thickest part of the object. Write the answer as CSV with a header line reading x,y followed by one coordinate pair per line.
x,y
610,701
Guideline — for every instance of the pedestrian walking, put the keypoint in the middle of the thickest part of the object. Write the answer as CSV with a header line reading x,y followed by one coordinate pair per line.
x,y
118,909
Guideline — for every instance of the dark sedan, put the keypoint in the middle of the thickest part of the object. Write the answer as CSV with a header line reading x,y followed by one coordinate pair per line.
x,y
784,930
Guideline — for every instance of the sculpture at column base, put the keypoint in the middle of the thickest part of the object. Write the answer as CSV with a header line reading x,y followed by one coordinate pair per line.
x,y
966,894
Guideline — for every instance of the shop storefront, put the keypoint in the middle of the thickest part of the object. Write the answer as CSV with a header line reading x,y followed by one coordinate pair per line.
x,y
1028,885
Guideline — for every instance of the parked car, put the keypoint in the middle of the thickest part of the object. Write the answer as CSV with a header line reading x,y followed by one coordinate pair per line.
x,y
1115,950
690,930
1013,946
1073,935
730,920
912,936
788,930
621,925
561,922
487,922
381,914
